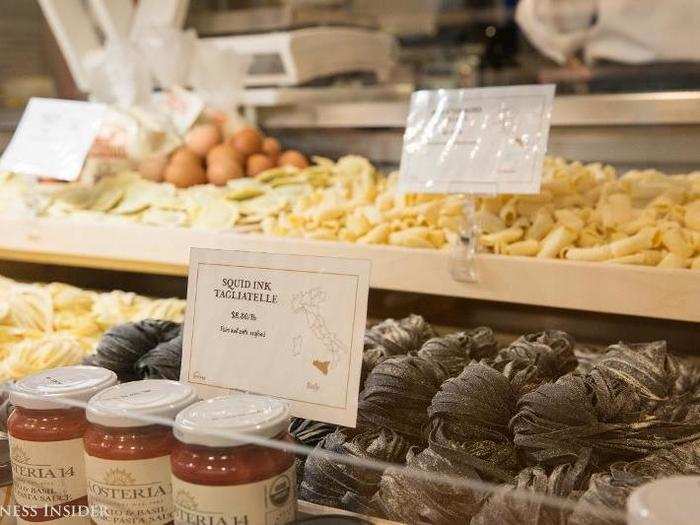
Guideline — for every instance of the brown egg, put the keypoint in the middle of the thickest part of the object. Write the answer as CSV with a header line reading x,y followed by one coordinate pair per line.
x,y
185,174
258,163
186,155
202,138
292,157
271,147
247,141
225,151
153,168
223,170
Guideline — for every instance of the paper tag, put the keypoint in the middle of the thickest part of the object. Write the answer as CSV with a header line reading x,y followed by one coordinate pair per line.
x,y
476,141
271,500
286,326
182,106
129,491
49,480
53,138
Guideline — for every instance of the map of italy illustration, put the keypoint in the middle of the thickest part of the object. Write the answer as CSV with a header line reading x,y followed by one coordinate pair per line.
x,y
309,303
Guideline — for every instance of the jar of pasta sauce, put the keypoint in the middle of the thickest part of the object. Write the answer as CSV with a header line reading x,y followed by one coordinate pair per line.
x,y
127,446
219,476
46,431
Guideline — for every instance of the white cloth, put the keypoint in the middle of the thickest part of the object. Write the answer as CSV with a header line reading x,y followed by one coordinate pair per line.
x,y
628,31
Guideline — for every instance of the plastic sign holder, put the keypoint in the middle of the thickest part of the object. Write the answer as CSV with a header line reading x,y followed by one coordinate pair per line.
x,y
482,141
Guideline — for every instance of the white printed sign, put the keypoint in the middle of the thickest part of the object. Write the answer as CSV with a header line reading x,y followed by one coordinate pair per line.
x,y
476,141
286,326
53,138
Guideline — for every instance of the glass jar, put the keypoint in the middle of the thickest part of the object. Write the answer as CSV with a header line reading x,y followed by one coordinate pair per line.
x,y
46,431
127,446
219,476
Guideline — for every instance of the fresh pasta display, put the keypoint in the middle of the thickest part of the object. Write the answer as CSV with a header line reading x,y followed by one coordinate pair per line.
x,y
347,200
537,414
540,415
589,213
52,325
584,212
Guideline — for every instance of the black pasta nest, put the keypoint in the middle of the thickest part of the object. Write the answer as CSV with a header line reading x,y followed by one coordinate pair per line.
x,y
148,349
530,416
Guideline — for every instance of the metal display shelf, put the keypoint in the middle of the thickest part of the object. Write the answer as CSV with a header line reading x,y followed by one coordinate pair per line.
x,y
296,96
635,109
645,130
386,106
596,287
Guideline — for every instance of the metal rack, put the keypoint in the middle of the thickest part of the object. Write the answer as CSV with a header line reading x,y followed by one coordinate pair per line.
x,y
642,130
655,130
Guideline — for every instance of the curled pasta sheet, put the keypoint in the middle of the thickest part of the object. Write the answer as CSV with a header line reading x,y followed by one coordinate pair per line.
x,y
556,241
529,247
392,338
454,351
331,482
643,258
308,433
564,481
403,498
161,362
397,393
673,260
611,488
473,410
489,222
593,253
536,358
123,346
692,215
693,238
676,242
541,225
570,219
644,240
500,240
635,246
509,212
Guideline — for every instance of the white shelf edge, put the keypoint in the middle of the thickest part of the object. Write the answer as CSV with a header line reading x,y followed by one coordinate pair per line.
x,y
597,287
313,509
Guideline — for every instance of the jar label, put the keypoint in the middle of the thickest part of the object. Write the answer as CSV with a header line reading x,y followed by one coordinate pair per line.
x,y
134,492
269,502
49,480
